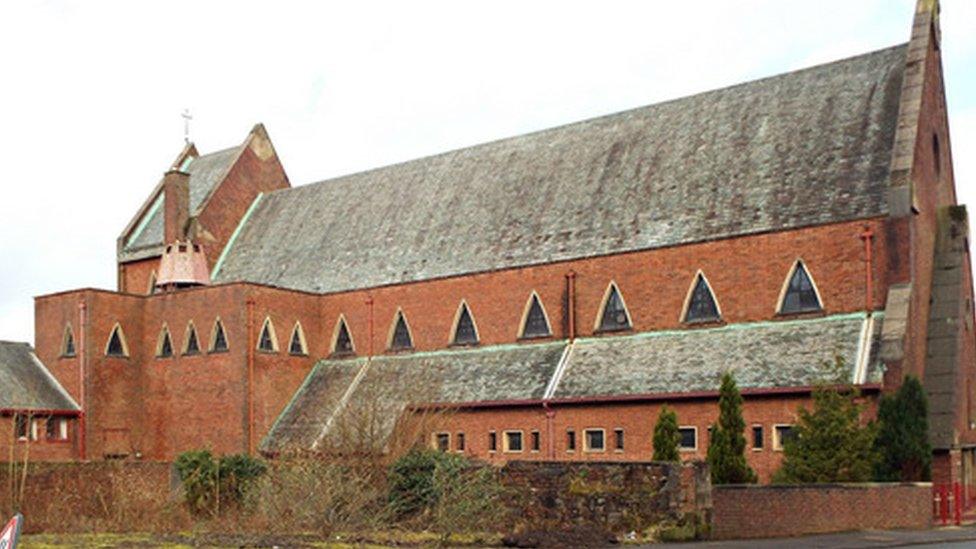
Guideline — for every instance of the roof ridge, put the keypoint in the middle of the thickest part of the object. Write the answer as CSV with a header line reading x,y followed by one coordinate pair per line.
x,y
593,119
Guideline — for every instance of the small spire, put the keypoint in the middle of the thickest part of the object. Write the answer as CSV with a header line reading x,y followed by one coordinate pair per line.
x,y
186,124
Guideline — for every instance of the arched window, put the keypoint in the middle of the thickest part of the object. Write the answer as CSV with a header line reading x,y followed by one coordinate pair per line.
x,y
342,339
116,345
268,341
218,339
799,293
700,304
535,321
68,342
191,343
164,343
400,338
465,331
296,344
613,312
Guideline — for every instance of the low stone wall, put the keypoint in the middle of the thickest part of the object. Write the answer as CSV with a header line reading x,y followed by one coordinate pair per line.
x,y
616,497
753,511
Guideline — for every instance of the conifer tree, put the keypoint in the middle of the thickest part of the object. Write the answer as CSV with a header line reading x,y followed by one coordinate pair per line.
x,y
727,447
666,435
904,453
829,444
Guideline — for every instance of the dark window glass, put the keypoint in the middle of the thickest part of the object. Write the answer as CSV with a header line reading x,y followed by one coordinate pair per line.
x,y
536,324
166,345
784,433
570,440
192,344
20,427
295,347
401,335
536,441
688,438
513,440
459,441
594,439
702,306
115,347
614,313
443,442
618,435
492,441
800,295
266,343
757,437
219,339
51,428
69,343
465,333
936,154
343,343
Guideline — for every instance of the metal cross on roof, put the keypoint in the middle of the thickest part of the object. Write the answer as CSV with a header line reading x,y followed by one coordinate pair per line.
x,y
186,124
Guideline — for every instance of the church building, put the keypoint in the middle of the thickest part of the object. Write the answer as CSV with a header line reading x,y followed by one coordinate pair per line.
x,y
539,297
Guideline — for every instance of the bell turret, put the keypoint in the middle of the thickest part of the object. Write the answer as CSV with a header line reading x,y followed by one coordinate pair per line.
x,y
183,263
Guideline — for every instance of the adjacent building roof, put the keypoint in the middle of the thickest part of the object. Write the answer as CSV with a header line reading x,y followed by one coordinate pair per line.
x,y
25,384
345,397
206,172
803,148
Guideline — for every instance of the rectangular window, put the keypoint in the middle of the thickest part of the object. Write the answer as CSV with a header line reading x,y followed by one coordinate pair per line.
x,y
442,441
35,429
459,442
20,426
63,430
570,440
618,440
594,440
689,439
492,441
513,441
536,441
781,433
51,428
757,437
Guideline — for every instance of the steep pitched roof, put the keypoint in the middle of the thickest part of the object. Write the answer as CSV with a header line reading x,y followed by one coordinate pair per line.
x,y
803,148
26,384
206,172
762,355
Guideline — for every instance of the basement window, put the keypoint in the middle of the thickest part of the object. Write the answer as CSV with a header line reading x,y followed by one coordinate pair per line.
x,y
513,441
594,440
536,324
689,439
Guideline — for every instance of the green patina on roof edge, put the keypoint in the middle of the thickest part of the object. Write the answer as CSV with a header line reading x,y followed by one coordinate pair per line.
x,y
233,236
291,402
145,219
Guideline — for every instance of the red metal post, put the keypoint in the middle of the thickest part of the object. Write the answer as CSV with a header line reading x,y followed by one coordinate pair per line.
x,y
957,500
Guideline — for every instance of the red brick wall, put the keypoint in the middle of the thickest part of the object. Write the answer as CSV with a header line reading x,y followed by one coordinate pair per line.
x,y
637,421
793,510
36,450
136,275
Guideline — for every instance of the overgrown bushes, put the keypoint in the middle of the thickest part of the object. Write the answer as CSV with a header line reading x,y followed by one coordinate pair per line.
x,y
210,483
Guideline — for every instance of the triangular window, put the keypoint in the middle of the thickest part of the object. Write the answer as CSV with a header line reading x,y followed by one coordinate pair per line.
x,y
343,342
401,339
164,348
192,343
218,341
614,315
701,302
116,343
801,295
536,323
267,341
68,345
297,344
464,331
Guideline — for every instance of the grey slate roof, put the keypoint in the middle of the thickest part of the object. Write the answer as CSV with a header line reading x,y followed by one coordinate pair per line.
x,y
391,382
25,384
206,172
803,148
762,355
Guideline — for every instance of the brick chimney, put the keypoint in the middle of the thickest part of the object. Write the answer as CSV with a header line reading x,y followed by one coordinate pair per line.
x,y
176,205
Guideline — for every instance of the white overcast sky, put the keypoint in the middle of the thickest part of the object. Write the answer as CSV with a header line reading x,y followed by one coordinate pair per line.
x,y
91,92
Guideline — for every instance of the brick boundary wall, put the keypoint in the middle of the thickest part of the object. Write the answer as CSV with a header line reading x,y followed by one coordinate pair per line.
x,y
615,497
754,511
